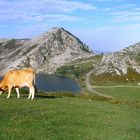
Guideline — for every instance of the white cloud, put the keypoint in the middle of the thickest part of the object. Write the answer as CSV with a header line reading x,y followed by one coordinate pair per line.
x,y
124,16
108,9
56,18
137,9
110,0
33,9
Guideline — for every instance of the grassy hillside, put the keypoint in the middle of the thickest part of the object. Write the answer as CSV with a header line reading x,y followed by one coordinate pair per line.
x,y
124,93
131,78
67,118
78,69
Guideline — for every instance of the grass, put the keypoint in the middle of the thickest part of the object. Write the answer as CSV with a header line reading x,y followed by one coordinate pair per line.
x,y
131,78
129,93
67,118
78,68
123,95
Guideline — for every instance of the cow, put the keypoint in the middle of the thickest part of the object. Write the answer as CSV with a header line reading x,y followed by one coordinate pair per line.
x,y
18,79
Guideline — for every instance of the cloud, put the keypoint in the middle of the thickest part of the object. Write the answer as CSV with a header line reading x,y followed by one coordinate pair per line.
x,y
124,12
124,16
25,10
137,9
110,0
56,18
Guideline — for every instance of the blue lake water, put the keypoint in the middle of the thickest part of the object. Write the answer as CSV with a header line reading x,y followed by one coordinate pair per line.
x,y
47,82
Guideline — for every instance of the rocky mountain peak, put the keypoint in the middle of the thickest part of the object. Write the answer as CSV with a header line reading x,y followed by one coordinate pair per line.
x,y
45,52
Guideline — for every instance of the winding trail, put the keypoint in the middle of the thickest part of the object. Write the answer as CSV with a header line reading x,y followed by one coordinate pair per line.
x,y
90,88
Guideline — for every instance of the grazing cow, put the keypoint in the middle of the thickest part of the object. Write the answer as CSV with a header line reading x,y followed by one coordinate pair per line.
x,y
18,79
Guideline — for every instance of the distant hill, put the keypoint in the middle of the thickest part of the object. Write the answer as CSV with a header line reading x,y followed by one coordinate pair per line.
x,y
45,53
121,62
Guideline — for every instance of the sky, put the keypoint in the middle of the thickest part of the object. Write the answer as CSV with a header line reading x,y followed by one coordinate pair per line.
x,y
103,25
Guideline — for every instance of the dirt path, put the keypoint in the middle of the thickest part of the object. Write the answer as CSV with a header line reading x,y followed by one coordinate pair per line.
x,y
90,88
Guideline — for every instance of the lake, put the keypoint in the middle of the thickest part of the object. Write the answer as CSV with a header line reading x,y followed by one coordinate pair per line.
x,y
46,82
49,83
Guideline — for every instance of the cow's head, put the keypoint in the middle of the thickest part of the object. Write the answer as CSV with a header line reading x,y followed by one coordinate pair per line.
x,y
2,87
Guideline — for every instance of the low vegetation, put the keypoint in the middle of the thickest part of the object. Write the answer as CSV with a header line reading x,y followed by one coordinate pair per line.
x,y
53,117
131,78
85,48
78,69
69,116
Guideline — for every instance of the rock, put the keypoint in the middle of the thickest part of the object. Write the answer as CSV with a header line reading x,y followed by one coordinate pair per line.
x,y
45,53
119,62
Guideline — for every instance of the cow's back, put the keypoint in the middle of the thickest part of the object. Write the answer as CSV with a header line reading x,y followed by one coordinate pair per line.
x,y
19,77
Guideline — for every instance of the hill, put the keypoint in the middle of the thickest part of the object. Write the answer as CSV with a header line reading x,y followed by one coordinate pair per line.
x,y
119,67
120,62
45,53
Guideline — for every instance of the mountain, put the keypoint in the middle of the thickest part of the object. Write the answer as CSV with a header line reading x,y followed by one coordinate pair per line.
x,y
120,63
45,53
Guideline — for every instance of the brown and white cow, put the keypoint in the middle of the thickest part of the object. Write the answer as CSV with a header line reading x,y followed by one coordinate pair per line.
x,y
18,79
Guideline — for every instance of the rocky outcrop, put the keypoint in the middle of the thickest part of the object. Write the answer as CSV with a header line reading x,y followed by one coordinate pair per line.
x,y
119,62
45,53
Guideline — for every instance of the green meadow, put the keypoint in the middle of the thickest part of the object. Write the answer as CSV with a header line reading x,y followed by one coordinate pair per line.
x,y
68,117
131,94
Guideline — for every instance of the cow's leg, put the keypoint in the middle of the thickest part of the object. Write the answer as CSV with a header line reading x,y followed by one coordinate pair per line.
x,y
17,90
1,92
33,92
9,91
30,93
